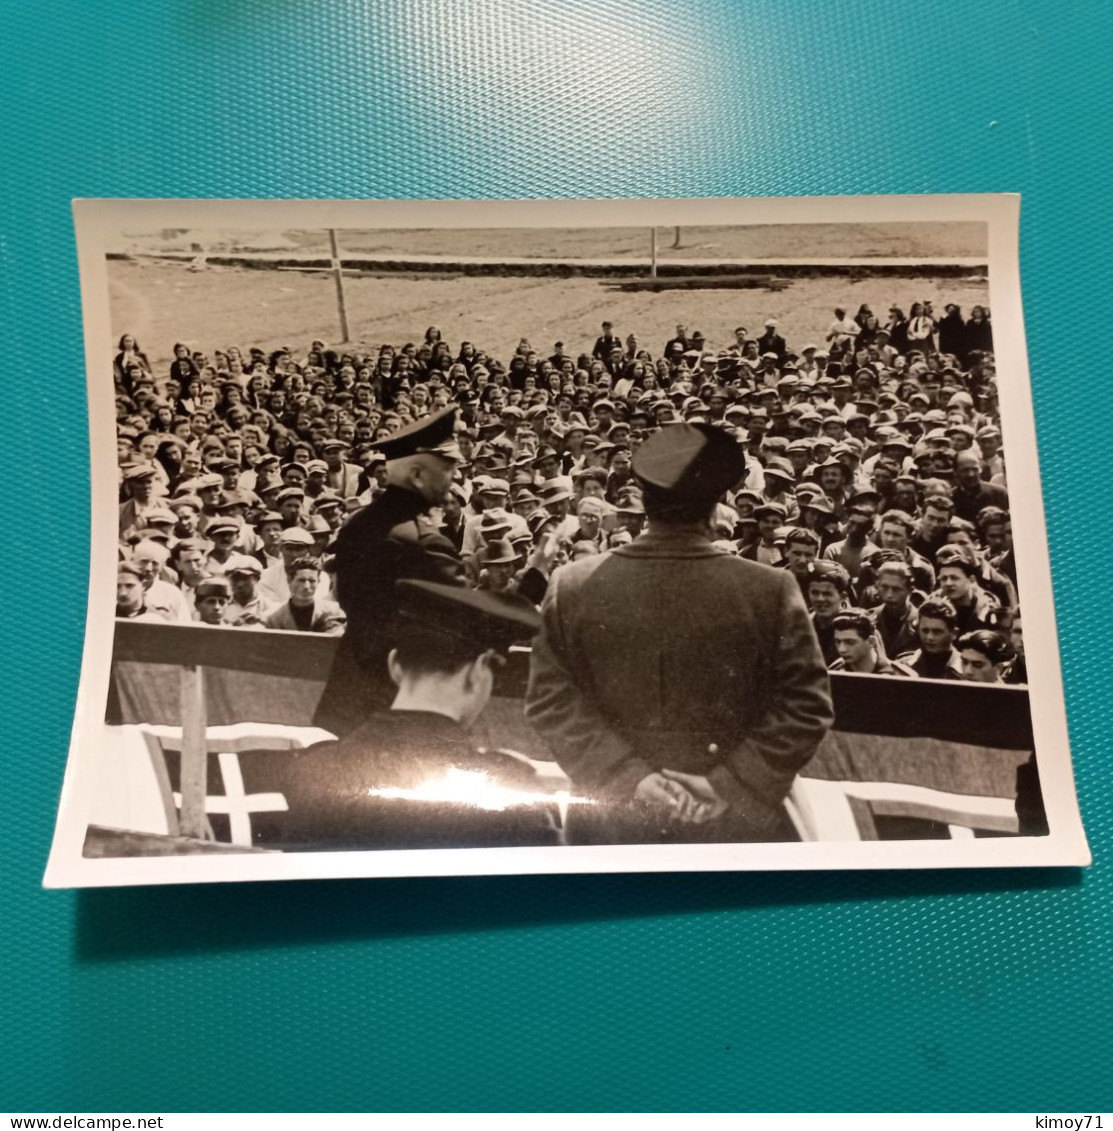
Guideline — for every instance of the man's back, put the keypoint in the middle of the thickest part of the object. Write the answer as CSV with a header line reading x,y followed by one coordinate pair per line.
x,y
671,653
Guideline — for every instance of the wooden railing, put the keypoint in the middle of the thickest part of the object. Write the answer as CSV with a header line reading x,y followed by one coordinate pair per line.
x,y
967,714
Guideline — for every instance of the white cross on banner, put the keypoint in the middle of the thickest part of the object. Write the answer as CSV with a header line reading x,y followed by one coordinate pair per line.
x,y
236,803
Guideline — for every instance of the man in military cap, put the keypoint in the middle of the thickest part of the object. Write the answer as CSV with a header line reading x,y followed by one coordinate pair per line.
x,y
679,686
392,539
409,776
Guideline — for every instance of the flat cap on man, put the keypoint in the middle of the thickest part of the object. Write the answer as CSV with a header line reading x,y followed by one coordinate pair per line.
x,y
213,587
690,462
222,526
780,470
230,499
431,434
484,620
296,536
242,563
490,485
819,503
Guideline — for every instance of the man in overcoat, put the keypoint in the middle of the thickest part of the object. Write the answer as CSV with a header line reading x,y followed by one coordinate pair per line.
x,y
392,539
680,687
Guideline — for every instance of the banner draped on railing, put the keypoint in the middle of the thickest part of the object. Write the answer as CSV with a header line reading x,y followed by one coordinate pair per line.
x,y
945,737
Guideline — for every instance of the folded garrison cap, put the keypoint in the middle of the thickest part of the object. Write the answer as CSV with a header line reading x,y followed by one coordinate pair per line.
x,y
690,462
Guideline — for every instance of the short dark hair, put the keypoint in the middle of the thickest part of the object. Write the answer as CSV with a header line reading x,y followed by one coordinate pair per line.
x,y
991,516
664,507
940,503
305,562
853,620
939,608
900,569
422,650
903,517
800,534
829,573
990,644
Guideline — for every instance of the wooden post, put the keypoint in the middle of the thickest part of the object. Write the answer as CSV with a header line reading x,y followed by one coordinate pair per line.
x,y
194,756
338,275
676,239
653,252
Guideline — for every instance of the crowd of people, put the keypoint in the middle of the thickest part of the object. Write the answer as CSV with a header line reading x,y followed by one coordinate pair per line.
x,y
875,473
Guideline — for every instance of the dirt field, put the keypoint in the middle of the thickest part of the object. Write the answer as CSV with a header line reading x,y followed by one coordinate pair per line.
x,y
761,241
161,303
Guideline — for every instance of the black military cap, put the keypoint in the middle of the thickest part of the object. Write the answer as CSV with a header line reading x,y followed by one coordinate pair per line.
x,y
690,462
433,434
485,620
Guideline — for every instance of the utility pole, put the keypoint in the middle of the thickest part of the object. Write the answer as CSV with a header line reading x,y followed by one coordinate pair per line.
x,y
653,252
338,275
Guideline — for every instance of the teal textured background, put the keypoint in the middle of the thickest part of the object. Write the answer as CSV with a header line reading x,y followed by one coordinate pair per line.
x,y
932,991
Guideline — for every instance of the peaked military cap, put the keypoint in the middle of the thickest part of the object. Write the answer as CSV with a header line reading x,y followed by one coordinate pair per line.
x,y
486,620
690,462
432,434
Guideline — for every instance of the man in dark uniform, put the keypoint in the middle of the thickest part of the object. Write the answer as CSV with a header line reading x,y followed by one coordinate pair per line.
x,y
680,687
393,538
410,777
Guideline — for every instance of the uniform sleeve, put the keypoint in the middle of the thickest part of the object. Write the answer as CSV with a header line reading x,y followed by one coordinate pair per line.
x,y
590,752
798,715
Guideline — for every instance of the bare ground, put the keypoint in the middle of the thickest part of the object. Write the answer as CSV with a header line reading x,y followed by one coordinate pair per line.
x,y
163,302
930,239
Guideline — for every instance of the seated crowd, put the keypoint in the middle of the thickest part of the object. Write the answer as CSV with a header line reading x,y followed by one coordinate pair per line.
x,y
876,474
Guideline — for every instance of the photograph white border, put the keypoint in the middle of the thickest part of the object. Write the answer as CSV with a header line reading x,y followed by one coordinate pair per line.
x,y
97,221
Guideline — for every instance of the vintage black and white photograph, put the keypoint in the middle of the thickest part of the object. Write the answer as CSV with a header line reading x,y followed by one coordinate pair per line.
x,y
561,536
